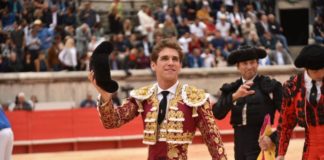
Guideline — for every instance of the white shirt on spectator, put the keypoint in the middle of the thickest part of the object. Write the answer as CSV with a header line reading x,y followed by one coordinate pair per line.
x,y
184,43
68,56
209,60
223,28
198,29
236,17
146,22
280,58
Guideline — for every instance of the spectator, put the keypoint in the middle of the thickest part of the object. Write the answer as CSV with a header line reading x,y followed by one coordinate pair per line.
x,y
7,47
194,43
190,8
68,56
82,38
236,29
88,102
88,15
266,60
169,29
318,29
18,39
28,63
116,64
268,41
145,45
128,27
223,26
132,41
146,22
51,17
85,62
33,44
203,14
4,64
7,19
142,61
116,5
177,15
14,65
92,44
27,13
41,63
236,16
33,100
115,21
44,34
209,58
247,28
229,5
21,103
6,137
220,59
262,25
198,29
250,13
276,30
69,18
219,42
280,56
221,13
195,60
183,27
210,29
184,41
253,39
131,58
54,63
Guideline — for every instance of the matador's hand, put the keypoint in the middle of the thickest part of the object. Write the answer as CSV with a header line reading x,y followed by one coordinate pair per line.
x,y
243,91
265,143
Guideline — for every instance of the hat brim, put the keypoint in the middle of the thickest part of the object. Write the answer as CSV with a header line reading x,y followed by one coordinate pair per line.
x,y
311,57
245,54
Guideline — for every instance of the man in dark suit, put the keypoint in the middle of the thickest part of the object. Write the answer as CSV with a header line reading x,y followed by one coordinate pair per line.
x,y
250,98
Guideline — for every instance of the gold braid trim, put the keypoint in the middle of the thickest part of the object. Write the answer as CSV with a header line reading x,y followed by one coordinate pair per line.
x,y
143,93
193,96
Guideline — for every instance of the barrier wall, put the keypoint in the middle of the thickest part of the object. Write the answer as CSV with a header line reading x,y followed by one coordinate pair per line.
x,y
81,129
57,87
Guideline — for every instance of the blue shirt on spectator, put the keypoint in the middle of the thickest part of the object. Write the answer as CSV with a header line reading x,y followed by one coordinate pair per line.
x,y
4,122
46,36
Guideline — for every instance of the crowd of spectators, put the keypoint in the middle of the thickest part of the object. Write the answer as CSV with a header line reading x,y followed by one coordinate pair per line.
x,y
55,35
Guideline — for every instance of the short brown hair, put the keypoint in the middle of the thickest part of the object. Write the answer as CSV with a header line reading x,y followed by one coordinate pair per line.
x,y
166,43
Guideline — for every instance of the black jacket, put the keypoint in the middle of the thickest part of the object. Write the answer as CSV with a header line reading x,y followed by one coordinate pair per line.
x,y
258,104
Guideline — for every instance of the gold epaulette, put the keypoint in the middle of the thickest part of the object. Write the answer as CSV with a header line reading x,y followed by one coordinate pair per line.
x,y
143,93
193,96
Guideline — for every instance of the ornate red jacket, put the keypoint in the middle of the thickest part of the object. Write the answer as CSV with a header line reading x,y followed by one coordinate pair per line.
x,y
295,110
188,110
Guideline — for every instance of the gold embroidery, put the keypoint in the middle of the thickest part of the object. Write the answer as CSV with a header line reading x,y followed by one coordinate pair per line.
x,y
193,96
173,151
220,150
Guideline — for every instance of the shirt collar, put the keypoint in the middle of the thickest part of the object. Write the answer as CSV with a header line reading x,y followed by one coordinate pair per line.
x,y
308,79
252,79
172,89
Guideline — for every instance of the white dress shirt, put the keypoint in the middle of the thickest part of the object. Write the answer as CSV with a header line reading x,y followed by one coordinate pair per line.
x,y
308,86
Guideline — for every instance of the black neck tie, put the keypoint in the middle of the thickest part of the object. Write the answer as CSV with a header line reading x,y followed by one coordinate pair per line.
x,y
162,106
313,94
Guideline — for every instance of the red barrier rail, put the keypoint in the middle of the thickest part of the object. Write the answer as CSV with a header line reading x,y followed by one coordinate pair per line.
x,y
81,129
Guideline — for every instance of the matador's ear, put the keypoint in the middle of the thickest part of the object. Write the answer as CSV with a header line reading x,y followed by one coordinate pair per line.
x,y
99,63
